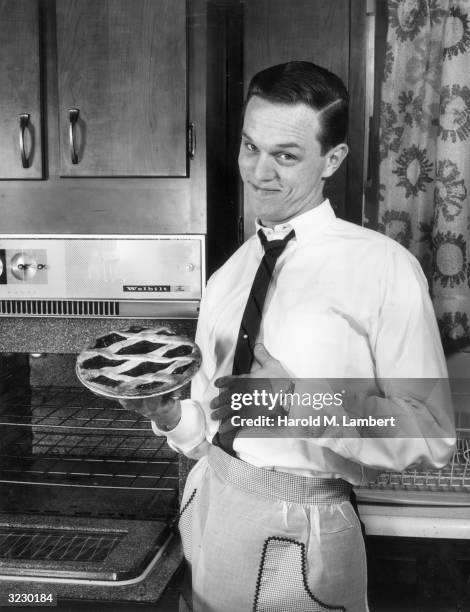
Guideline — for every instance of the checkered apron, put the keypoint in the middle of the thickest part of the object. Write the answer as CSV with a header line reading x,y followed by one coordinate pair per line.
x,y
259,540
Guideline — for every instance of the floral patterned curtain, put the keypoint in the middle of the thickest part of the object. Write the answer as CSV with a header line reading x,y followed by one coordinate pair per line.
x,y
425,150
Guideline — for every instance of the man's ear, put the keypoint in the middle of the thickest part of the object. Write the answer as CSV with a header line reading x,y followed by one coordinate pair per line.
x,y
334,159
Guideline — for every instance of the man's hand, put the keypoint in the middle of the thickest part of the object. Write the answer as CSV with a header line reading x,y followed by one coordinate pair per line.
x,y
269,369
165,410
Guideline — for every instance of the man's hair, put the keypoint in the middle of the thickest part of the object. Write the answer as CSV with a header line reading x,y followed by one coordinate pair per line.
x,y
307,83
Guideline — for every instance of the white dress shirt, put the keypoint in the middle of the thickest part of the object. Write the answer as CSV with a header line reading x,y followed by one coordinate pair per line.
x,y
344,302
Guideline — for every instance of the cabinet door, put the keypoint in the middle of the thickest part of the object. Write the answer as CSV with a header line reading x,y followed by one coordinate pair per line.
x,y
122,66
20,90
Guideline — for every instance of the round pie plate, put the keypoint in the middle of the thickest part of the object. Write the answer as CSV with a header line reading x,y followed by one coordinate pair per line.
x,y
180,379
110,395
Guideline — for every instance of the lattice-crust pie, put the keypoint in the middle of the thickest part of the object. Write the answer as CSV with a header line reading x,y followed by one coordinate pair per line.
x,y
138,363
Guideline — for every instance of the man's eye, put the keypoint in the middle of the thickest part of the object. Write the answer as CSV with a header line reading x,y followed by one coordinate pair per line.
x,y
286,157
250,146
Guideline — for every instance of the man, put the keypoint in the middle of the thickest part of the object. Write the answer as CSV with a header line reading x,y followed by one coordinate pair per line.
x,y
266,520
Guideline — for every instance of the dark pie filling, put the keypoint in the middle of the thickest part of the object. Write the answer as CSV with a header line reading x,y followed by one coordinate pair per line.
x,y
149,386
179,351
106,341
98,362
139,348
147,368
182,368
136,329
104,380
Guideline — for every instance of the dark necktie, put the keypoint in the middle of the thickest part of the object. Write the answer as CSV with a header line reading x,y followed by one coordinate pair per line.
x,y
251,321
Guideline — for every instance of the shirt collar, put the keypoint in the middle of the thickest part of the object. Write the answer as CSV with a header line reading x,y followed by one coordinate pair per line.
x,y
306,225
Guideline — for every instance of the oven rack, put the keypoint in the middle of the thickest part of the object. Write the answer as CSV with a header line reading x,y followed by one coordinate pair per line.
x,y
145,476
71,459
56,544
453,478
71,438
92,444
52,407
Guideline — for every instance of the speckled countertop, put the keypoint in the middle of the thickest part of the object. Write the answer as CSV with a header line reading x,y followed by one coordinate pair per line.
x,y
67,335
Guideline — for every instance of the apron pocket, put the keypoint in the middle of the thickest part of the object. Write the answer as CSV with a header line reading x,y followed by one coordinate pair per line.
x,y
282,581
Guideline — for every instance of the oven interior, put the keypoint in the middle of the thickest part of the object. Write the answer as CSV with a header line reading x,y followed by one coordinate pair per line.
x,y
87,491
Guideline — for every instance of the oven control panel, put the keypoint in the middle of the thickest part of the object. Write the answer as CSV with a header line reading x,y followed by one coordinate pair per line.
x,y
165,267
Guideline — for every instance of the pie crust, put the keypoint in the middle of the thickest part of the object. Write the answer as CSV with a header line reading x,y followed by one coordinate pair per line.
x,y
138,362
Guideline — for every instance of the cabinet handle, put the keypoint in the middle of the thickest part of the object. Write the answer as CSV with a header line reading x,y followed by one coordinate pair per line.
x,y
73,118
24,122
191,140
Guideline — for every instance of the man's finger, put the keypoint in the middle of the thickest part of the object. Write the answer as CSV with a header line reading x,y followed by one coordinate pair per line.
x,y
262,355
221,406
226,426
222,413
224,397
225,381
131,404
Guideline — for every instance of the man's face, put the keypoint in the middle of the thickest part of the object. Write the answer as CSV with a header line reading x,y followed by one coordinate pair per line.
x,y
280,160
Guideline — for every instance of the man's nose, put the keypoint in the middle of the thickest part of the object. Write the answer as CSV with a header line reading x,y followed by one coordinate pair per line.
x,y
264,169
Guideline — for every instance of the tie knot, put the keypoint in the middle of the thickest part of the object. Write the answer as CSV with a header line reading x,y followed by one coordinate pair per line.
x,y
275,247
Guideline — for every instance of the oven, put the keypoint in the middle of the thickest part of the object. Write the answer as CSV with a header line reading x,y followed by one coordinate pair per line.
x,y
89,496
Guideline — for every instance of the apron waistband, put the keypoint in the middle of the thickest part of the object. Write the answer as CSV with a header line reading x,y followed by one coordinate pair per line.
x,y
278,485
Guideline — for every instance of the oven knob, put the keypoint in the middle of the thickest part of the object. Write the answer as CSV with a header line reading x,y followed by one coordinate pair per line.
x,y
24,267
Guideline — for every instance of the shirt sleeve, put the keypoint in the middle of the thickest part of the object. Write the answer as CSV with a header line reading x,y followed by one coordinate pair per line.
x,y
189,435
412,375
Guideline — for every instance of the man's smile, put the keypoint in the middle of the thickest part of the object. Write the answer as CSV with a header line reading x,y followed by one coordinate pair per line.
x,y
263,190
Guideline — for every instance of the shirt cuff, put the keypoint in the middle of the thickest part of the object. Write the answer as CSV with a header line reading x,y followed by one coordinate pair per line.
x,y
190,431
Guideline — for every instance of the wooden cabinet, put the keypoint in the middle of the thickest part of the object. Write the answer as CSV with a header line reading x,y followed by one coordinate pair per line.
x,y
122,87
20,99
136,72
122,83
